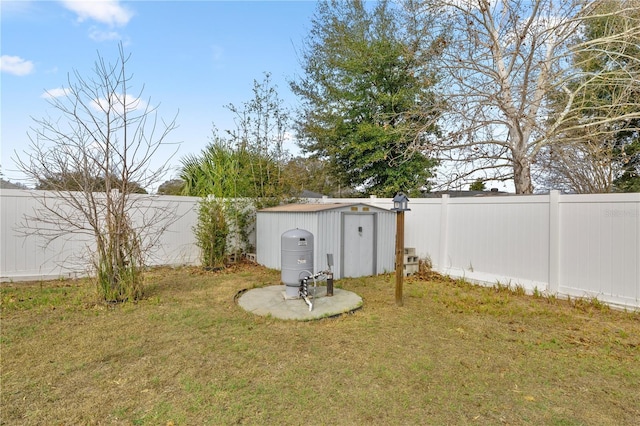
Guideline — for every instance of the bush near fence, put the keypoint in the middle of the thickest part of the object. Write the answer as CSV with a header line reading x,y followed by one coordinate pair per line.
x,y
566,245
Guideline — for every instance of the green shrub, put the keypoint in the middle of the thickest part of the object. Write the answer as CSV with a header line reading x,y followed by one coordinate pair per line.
x,y
211,232
119,262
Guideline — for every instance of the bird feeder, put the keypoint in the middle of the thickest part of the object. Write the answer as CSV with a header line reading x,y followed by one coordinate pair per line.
x,y
400,203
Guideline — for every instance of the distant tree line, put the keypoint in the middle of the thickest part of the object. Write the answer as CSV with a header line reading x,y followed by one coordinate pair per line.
x,y
411,95
395,96
421,94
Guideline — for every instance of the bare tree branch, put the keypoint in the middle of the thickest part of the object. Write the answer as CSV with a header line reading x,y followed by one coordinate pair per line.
x,y
502,62
91,159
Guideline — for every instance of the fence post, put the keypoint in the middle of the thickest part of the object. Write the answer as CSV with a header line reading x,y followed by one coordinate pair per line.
x,y
554,242
444,233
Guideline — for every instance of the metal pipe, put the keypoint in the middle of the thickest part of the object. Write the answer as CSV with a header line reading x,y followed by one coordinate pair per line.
x,y
303,288
304,293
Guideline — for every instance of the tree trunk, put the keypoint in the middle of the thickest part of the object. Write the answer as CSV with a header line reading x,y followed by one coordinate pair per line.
x,y
522,175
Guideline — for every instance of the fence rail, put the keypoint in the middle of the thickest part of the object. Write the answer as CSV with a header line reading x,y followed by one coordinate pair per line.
x,y
571,245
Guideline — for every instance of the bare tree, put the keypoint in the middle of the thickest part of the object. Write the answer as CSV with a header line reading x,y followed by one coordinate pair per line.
x,y
584,167
502,63
596,138
102,144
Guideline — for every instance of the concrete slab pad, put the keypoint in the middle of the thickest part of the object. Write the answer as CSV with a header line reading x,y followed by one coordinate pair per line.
x,y
271,301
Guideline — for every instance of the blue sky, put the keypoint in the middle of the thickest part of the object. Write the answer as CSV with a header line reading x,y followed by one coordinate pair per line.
x,y
194,57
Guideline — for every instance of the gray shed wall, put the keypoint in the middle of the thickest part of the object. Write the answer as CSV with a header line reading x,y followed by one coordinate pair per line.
x,y
326,227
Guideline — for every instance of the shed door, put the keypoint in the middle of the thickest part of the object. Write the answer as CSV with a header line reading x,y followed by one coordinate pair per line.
x,y
358,245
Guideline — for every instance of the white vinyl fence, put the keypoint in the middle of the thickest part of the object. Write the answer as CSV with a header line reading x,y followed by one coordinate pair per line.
x,y
24,258
569,245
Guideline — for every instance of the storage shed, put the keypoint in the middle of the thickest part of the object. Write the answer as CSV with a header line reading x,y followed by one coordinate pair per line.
x,y
360,237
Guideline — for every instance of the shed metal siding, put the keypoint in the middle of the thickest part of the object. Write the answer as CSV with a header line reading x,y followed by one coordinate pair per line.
x,y
386,246
326,226
269,229
329,241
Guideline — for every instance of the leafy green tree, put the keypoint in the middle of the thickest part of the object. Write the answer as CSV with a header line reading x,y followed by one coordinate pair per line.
x,y
171,187
629,156
364,79
244,168
478,185
311,174
217,171
218,175
247,161
80,181
262,126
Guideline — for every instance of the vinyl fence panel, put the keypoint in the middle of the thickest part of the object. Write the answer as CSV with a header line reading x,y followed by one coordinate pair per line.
x,y
502,239
29,257
599,247
564,244
569,245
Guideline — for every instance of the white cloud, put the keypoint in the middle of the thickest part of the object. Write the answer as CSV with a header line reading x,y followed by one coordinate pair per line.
x,y
56,93
119,103
109,12
97,35
15,65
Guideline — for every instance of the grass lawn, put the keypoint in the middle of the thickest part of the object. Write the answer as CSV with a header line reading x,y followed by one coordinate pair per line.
x,y
188,355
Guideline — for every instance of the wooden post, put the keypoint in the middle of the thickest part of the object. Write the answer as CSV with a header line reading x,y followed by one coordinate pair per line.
x,y
399,256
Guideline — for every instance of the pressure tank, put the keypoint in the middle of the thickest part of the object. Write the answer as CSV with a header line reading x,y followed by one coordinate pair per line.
x,y
296,258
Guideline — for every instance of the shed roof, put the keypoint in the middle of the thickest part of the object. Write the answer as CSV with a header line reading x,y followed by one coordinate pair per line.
x,y
310,208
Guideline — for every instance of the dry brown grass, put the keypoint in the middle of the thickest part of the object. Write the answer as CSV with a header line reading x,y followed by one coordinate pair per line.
x,y
187,354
